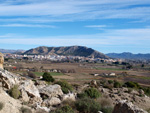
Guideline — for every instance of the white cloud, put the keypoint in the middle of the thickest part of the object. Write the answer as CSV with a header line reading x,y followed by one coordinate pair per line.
x,y
74,10
120,37
27,25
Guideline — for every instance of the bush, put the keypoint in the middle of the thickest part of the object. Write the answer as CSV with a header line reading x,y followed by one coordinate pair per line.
x,y
107,109
25,110
14,92
1,106
92,92
65,86
110,81
47,77
117,84
87,105
132,84
32,75
64,109
146,91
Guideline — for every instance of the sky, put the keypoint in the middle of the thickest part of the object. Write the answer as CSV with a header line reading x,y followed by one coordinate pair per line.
x,y
104,25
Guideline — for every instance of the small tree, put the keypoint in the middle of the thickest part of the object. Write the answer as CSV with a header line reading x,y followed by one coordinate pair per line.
x,y
14,92
47,77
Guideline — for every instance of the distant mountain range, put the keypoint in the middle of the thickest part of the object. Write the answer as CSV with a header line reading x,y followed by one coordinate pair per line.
x,y
127,55
11,51
70,50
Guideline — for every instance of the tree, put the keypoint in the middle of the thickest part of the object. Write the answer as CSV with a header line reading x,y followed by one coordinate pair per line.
x,y
47,77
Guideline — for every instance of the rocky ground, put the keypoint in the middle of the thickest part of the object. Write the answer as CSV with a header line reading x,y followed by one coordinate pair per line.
x,y
37,96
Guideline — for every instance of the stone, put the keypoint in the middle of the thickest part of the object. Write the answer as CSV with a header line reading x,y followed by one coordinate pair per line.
x,y
30,88
127,107
24,96
1,60
51,101
8,79
69,96
10,105
51,91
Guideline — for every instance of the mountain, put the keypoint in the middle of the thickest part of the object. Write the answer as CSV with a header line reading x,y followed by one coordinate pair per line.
x,y
70,50
11,51
127,55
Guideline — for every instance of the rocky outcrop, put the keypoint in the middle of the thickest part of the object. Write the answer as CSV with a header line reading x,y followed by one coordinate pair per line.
x,y
10,105
51,91
127,107
69,96
8,79
51,101
1,60
29,87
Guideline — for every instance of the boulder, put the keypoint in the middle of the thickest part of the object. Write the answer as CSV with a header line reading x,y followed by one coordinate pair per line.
x,y
24,96
127,107
29,87
51,101
8,79
10,105
51,91
69,96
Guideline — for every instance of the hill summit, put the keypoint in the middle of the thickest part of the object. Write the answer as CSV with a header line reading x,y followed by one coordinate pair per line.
x,y
70,50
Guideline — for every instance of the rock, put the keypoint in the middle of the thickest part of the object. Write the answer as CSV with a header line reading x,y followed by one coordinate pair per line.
x,y
52,101
127,107
8,79
1,60
70,96
51,91
42,109
141,92
10,104
24,96
29,87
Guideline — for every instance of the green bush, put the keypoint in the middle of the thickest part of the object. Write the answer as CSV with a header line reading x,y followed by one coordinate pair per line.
x,y
14,92
107,109
1,106
65,86
25,110
132,84
146,91
47,77
64,109
87,105
92,93
117,84
110,81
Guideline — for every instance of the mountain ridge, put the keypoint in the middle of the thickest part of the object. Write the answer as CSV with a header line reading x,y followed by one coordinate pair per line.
x,y
66,50
128,55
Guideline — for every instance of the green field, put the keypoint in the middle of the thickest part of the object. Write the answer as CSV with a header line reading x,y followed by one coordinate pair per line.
x,y
52,73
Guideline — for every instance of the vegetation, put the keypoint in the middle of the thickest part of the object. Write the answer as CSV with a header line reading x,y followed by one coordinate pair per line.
x,y
14,92
92,93
25,110
64,109
47,77
1,106
32,75
132,84
65,86
117,84
87,105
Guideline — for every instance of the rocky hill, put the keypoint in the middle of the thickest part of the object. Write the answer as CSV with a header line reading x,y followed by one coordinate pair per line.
x,y
127,55
71,50
11,51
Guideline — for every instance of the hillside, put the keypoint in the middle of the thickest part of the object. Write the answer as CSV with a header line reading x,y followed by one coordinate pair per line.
x,y
127,55
10,51
71,50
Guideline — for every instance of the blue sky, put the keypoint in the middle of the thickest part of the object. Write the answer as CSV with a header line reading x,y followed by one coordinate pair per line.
x,y
104,25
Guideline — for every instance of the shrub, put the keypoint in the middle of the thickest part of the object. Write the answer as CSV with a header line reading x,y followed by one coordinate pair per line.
x,y
146,91
132,84
92,92
107,109
64,109
65,86
25,110
117,84
47,77
14,92
32,75
1,106
87,105
110,81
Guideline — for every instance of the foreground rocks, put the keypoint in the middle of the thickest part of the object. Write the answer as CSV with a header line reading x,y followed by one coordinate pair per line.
x,y
127,107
